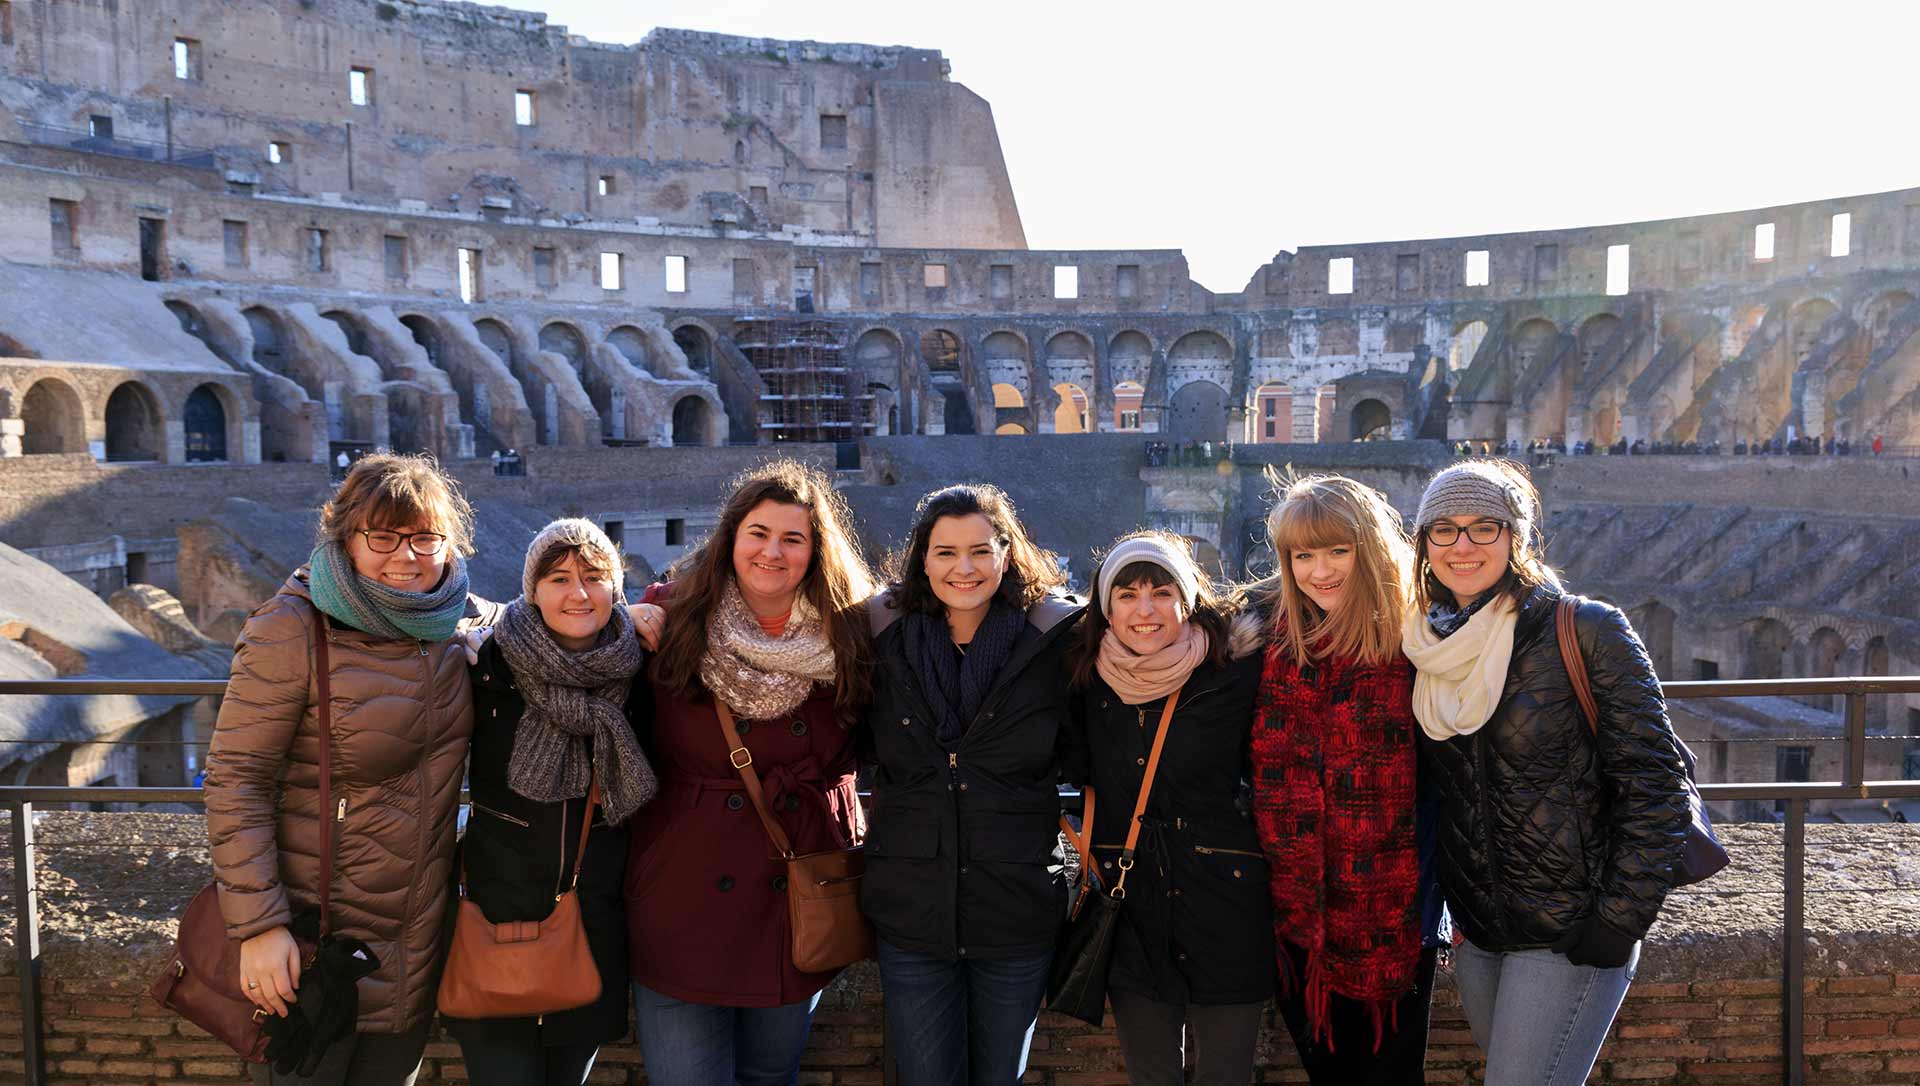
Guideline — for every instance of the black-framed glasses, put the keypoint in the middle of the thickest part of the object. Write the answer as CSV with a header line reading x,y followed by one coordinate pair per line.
x,y
1485,533
424,544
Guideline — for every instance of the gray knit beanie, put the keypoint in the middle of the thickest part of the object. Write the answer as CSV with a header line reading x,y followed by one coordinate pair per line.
x,y
1476,488
573,532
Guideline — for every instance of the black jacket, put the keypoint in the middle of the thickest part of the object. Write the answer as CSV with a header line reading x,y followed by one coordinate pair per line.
x,y
515,850
1541,822
1197,925
963,848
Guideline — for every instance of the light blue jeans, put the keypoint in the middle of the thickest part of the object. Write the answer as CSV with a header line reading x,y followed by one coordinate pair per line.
x,y
1539,1018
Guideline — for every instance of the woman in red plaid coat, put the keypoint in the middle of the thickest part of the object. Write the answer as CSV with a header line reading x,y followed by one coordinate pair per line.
x,y
1334,767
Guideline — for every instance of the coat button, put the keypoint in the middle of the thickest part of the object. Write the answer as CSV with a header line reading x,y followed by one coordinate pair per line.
x,y
906,721
745,726
792,802
963,786
779,884
736,801
963,869
1236,873
798,727
963,952
1139,761
485,678
725,883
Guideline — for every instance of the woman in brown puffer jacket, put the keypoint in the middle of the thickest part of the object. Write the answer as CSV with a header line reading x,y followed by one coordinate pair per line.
x,y
389,582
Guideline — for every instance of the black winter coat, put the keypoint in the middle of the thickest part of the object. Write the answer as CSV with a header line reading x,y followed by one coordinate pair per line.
x,y
1541,822
1197,924
963,845
515,849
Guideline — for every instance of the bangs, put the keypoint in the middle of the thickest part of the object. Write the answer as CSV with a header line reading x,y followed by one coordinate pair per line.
x,y
1153,573
586,554
399,504
1311,521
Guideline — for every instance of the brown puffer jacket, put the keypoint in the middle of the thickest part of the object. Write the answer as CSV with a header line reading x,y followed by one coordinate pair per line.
x,y
402,715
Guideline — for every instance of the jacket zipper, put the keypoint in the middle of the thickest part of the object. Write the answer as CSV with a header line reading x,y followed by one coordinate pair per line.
x,y
426,793
484,809
1206,850
1486,833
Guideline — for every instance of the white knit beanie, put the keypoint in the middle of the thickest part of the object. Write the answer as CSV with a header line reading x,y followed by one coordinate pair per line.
x,y
1148,548
1476,488
573,532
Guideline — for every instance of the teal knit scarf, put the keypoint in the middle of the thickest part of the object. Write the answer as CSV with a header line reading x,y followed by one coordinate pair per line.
x,y
367,605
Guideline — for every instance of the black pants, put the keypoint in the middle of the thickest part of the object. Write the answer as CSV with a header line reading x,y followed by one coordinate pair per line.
x,y
1350,1060
1153,1038
492,1063
360,1059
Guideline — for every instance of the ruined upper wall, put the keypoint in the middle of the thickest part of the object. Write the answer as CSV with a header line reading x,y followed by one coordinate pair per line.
x,y
683,128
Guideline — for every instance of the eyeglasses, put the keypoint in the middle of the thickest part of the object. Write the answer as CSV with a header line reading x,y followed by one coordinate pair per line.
x,y
424,544
1483,532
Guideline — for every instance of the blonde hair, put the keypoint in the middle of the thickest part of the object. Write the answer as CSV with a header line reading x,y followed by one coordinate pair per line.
x,y
1312,511
389,490
1527,567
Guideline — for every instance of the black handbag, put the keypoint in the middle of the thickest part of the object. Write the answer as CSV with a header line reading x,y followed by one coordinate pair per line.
x,y
1077,985
1704,856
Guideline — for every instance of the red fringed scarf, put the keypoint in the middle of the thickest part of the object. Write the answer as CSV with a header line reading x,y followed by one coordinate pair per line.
x,y
1333,799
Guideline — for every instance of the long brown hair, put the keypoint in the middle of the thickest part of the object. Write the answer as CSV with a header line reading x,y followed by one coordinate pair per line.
x,y
1213,609
1313,511
1527,567
1031,571
837,584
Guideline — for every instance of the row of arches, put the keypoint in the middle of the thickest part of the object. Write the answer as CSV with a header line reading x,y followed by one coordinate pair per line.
x,y
132,423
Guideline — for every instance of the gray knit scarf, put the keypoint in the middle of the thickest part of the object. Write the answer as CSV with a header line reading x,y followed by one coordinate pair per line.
x,y
573,699
758,675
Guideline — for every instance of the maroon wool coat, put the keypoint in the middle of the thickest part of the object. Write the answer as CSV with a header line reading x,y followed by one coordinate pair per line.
x,y
705,892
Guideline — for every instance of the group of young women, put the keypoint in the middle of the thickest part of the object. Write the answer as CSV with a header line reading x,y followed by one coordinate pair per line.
x,y
1382,725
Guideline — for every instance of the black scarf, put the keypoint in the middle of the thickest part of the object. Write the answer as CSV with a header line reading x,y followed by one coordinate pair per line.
x,y
955,688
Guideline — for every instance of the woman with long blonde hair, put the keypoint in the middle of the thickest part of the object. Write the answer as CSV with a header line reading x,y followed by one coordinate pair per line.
x,y
1334,796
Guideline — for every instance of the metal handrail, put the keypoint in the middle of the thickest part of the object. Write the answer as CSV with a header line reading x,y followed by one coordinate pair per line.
x,y
20,800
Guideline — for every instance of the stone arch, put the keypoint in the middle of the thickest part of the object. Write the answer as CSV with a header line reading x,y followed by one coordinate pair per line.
x,y
1201,346
1197,411
1766,644
1270,421
270,341
426,335
499,338
1533,341
1337,337
877,355
1654,621
1879,316
1130,358
135,425
1008,360
692,421
1824,651
1128,396
1370,420
55,419
632,345
941,349
205,418
1074,415
354,327
696,343
565,340
1010,412
1804,322
1464,344
1596,332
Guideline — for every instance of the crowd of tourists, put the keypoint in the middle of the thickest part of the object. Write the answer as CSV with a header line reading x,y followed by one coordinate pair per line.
x,y
1802,445
1315,790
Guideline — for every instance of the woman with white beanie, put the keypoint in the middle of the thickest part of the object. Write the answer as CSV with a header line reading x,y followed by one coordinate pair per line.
x,y
557,711
1557,837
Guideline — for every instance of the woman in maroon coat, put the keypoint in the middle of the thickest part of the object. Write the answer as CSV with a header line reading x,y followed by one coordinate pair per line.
x,y
765,615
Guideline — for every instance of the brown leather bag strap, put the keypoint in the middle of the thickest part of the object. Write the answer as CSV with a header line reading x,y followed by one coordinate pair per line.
x,y
742,759
586,827
1576,664
329,822
1146,789
1082,841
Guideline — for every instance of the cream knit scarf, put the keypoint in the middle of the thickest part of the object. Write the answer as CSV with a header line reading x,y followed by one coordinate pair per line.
x,y
1458,680
759,676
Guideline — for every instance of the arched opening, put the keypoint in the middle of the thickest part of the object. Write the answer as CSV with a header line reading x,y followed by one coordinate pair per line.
x,y
1009,410
632,346
1370,420
206,425
1465,344
1804,324
565,340
877,355
134,432
1201,349
269,344
426,336
55,422
1197,411
1533,341
1595,336
1880,316
694,342
1653,621
1072,416
1824,650
1767,640
941,350
1271,421
958,413
352,327
692,421
1127,398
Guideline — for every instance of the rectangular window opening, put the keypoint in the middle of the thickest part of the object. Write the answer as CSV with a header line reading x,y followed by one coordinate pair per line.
x,y
153,249
870,281
279,152
234,235
1842,240
933,276
616,532
1478,270
1763,241
62,215
1000,282
1340,275
360,86
746,281
543,269
676,274
1406,273
317,255
1546,263
676,532
6,22
186,58
469,268
393,249
523,108
757,195
609,271
1129,420
100,126
1066,281
805,288
1618,262
605,187
833,131
1705,671
1126,281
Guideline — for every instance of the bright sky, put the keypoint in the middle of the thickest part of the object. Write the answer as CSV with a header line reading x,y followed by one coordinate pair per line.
x,y
1235,130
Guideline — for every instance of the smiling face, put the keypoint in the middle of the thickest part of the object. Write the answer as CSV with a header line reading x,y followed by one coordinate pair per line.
x,y
1469,569
1146,617
1322,573
575,599
401,568
772,550
965,562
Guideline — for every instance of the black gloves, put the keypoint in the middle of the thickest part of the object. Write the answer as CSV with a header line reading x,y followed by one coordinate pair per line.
x,y
325,1009
1597,943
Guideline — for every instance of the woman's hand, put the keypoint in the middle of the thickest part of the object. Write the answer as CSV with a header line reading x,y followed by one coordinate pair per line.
x,y
649,621
270,969
471,639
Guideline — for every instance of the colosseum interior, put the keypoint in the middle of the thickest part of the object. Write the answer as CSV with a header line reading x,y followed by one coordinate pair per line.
x,y
242,243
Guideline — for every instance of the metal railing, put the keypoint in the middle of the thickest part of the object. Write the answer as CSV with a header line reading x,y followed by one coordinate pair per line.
x,y
19,801
80,139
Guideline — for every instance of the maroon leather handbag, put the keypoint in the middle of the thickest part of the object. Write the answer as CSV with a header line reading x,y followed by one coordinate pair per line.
x,y
201,981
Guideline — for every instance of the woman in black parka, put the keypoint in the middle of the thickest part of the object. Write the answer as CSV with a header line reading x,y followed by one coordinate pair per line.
x,y
1557,841
963,880
555,706
1193,952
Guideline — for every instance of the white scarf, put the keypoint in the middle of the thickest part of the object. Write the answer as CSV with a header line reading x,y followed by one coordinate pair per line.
x,y
1458,680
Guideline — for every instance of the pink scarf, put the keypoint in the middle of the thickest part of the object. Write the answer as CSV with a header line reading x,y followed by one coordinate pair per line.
x,y
1140,679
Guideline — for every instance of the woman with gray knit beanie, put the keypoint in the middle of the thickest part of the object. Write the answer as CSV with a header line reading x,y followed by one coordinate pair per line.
x,y
557,709
1557,838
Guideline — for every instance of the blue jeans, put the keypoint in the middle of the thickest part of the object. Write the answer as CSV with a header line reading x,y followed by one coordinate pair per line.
x,y
694,1044
490,1063
961,1023
1539,1018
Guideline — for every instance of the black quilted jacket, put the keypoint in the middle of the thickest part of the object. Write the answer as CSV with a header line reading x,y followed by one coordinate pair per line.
x,y
1541,821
